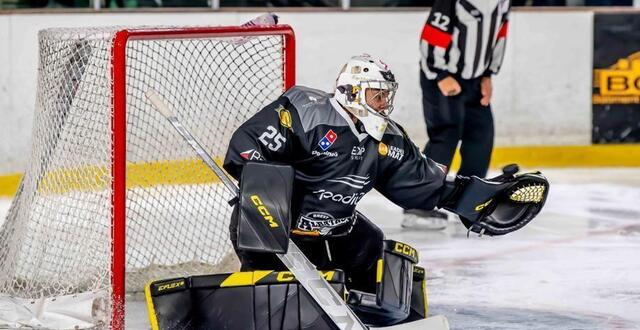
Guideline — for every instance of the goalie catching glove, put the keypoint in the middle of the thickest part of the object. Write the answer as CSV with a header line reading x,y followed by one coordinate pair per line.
x,y
499,205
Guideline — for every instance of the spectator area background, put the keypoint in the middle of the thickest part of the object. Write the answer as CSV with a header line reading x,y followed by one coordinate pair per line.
x,y
534,109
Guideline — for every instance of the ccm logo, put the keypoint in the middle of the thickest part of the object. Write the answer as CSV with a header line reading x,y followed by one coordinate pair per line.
x,y
481,207
288,276
263,211
405,249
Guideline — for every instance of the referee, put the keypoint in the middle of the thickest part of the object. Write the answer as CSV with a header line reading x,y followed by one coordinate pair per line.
x,y
462,46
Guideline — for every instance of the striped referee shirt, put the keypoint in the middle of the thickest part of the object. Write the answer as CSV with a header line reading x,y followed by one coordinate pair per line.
x,y
465,38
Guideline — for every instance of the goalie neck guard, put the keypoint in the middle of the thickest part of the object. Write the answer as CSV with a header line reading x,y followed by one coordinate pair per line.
x,y
362,73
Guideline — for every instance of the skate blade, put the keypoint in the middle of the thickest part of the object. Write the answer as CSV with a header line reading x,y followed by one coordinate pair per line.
x,y
412,221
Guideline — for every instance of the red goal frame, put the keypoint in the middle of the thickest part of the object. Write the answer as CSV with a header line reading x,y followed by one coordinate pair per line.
x,y
119,128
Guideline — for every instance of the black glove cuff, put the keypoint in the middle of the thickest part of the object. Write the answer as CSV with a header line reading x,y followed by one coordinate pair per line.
x,y
452,190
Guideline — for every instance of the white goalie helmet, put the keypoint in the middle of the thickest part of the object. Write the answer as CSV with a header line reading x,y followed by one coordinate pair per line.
x,y
362,73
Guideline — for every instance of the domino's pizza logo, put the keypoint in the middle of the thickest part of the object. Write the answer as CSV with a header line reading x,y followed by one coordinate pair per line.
x,y
328,140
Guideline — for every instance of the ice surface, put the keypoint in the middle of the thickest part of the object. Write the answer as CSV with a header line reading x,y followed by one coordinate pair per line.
x,y
574,267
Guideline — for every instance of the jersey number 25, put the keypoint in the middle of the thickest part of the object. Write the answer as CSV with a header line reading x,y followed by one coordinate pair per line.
x,y
272,139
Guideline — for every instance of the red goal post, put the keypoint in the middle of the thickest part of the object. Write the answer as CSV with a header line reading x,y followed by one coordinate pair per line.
x,y
119,123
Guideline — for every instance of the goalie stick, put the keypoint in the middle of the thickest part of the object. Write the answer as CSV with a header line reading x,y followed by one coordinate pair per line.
x,y
304,271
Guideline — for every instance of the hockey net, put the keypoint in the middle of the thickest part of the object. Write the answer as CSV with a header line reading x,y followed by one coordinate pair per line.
x,y
65,231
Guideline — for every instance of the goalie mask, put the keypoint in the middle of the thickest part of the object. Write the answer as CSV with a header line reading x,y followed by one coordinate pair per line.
x,y
366,87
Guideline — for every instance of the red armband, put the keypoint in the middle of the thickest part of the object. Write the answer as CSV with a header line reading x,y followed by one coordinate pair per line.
x,y
435,36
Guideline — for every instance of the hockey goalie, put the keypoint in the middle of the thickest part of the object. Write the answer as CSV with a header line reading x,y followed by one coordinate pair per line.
x,y
303,162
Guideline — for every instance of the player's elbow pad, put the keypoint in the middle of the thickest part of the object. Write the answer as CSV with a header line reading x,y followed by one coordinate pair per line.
x,y
496,206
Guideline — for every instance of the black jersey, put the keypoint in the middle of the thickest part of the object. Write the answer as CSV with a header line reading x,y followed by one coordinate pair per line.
x,y
335,162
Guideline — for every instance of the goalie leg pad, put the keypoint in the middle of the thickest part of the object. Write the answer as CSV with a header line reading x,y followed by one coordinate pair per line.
x,y
243,300
394,285
419,301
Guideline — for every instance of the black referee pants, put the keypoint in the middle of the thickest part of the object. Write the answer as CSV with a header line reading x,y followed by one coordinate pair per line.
x,y
451,119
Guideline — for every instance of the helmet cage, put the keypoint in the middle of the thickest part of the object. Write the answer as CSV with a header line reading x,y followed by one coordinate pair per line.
x,y
385,89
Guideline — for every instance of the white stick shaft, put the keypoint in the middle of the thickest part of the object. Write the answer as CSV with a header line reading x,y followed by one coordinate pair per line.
x,y
159,104
321,291
162,108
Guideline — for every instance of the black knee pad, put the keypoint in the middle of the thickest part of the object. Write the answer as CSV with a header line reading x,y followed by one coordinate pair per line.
x,y
391,303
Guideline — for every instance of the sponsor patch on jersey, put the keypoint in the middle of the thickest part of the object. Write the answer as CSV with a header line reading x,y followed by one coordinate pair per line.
x,y
351,199
390,151
285,117
331,154
251,154
322,222
357,152
396,153
353,181
327,140
383,150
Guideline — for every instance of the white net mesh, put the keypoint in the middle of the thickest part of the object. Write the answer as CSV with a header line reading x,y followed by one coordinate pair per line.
x,y
57,237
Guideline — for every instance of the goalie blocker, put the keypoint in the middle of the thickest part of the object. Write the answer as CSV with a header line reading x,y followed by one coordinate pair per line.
x,y
264,217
